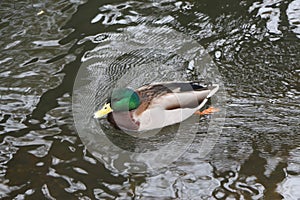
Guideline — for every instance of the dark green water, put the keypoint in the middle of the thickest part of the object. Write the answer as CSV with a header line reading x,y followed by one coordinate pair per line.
x,y
255,46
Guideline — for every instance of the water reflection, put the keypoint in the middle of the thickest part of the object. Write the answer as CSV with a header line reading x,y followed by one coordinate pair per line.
x,y
256,44
288,187
293,16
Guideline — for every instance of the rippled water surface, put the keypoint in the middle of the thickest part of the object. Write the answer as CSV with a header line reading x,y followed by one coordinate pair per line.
x,y
255,47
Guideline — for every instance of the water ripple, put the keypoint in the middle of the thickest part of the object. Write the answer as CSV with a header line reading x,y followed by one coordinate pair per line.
x,y
254,43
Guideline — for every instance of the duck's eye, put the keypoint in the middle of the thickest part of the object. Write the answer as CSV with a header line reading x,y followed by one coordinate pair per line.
x,y
105,107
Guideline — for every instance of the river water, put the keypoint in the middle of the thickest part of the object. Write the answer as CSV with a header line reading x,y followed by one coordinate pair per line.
x,y
254,45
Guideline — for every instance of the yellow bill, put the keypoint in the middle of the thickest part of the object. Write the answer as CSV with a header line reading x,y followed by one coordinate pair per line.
x,y
104,111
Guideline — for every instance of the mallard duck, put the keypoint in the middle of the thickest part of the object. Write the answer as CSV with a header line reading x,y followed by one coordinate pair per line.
x,y
155,105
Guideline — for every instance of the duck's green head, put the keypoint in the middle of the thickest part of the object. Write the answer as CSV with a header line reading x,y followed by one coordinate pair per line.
x,y
123,99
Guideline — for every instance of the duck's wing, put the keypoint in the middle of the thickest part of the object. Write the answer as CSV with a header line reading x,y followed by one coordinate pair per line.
x,y
174,95
167,87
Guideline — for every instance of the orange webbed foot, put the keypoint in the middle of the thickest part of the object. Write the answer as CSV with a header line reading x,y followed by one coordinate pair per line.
x,y
207,111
